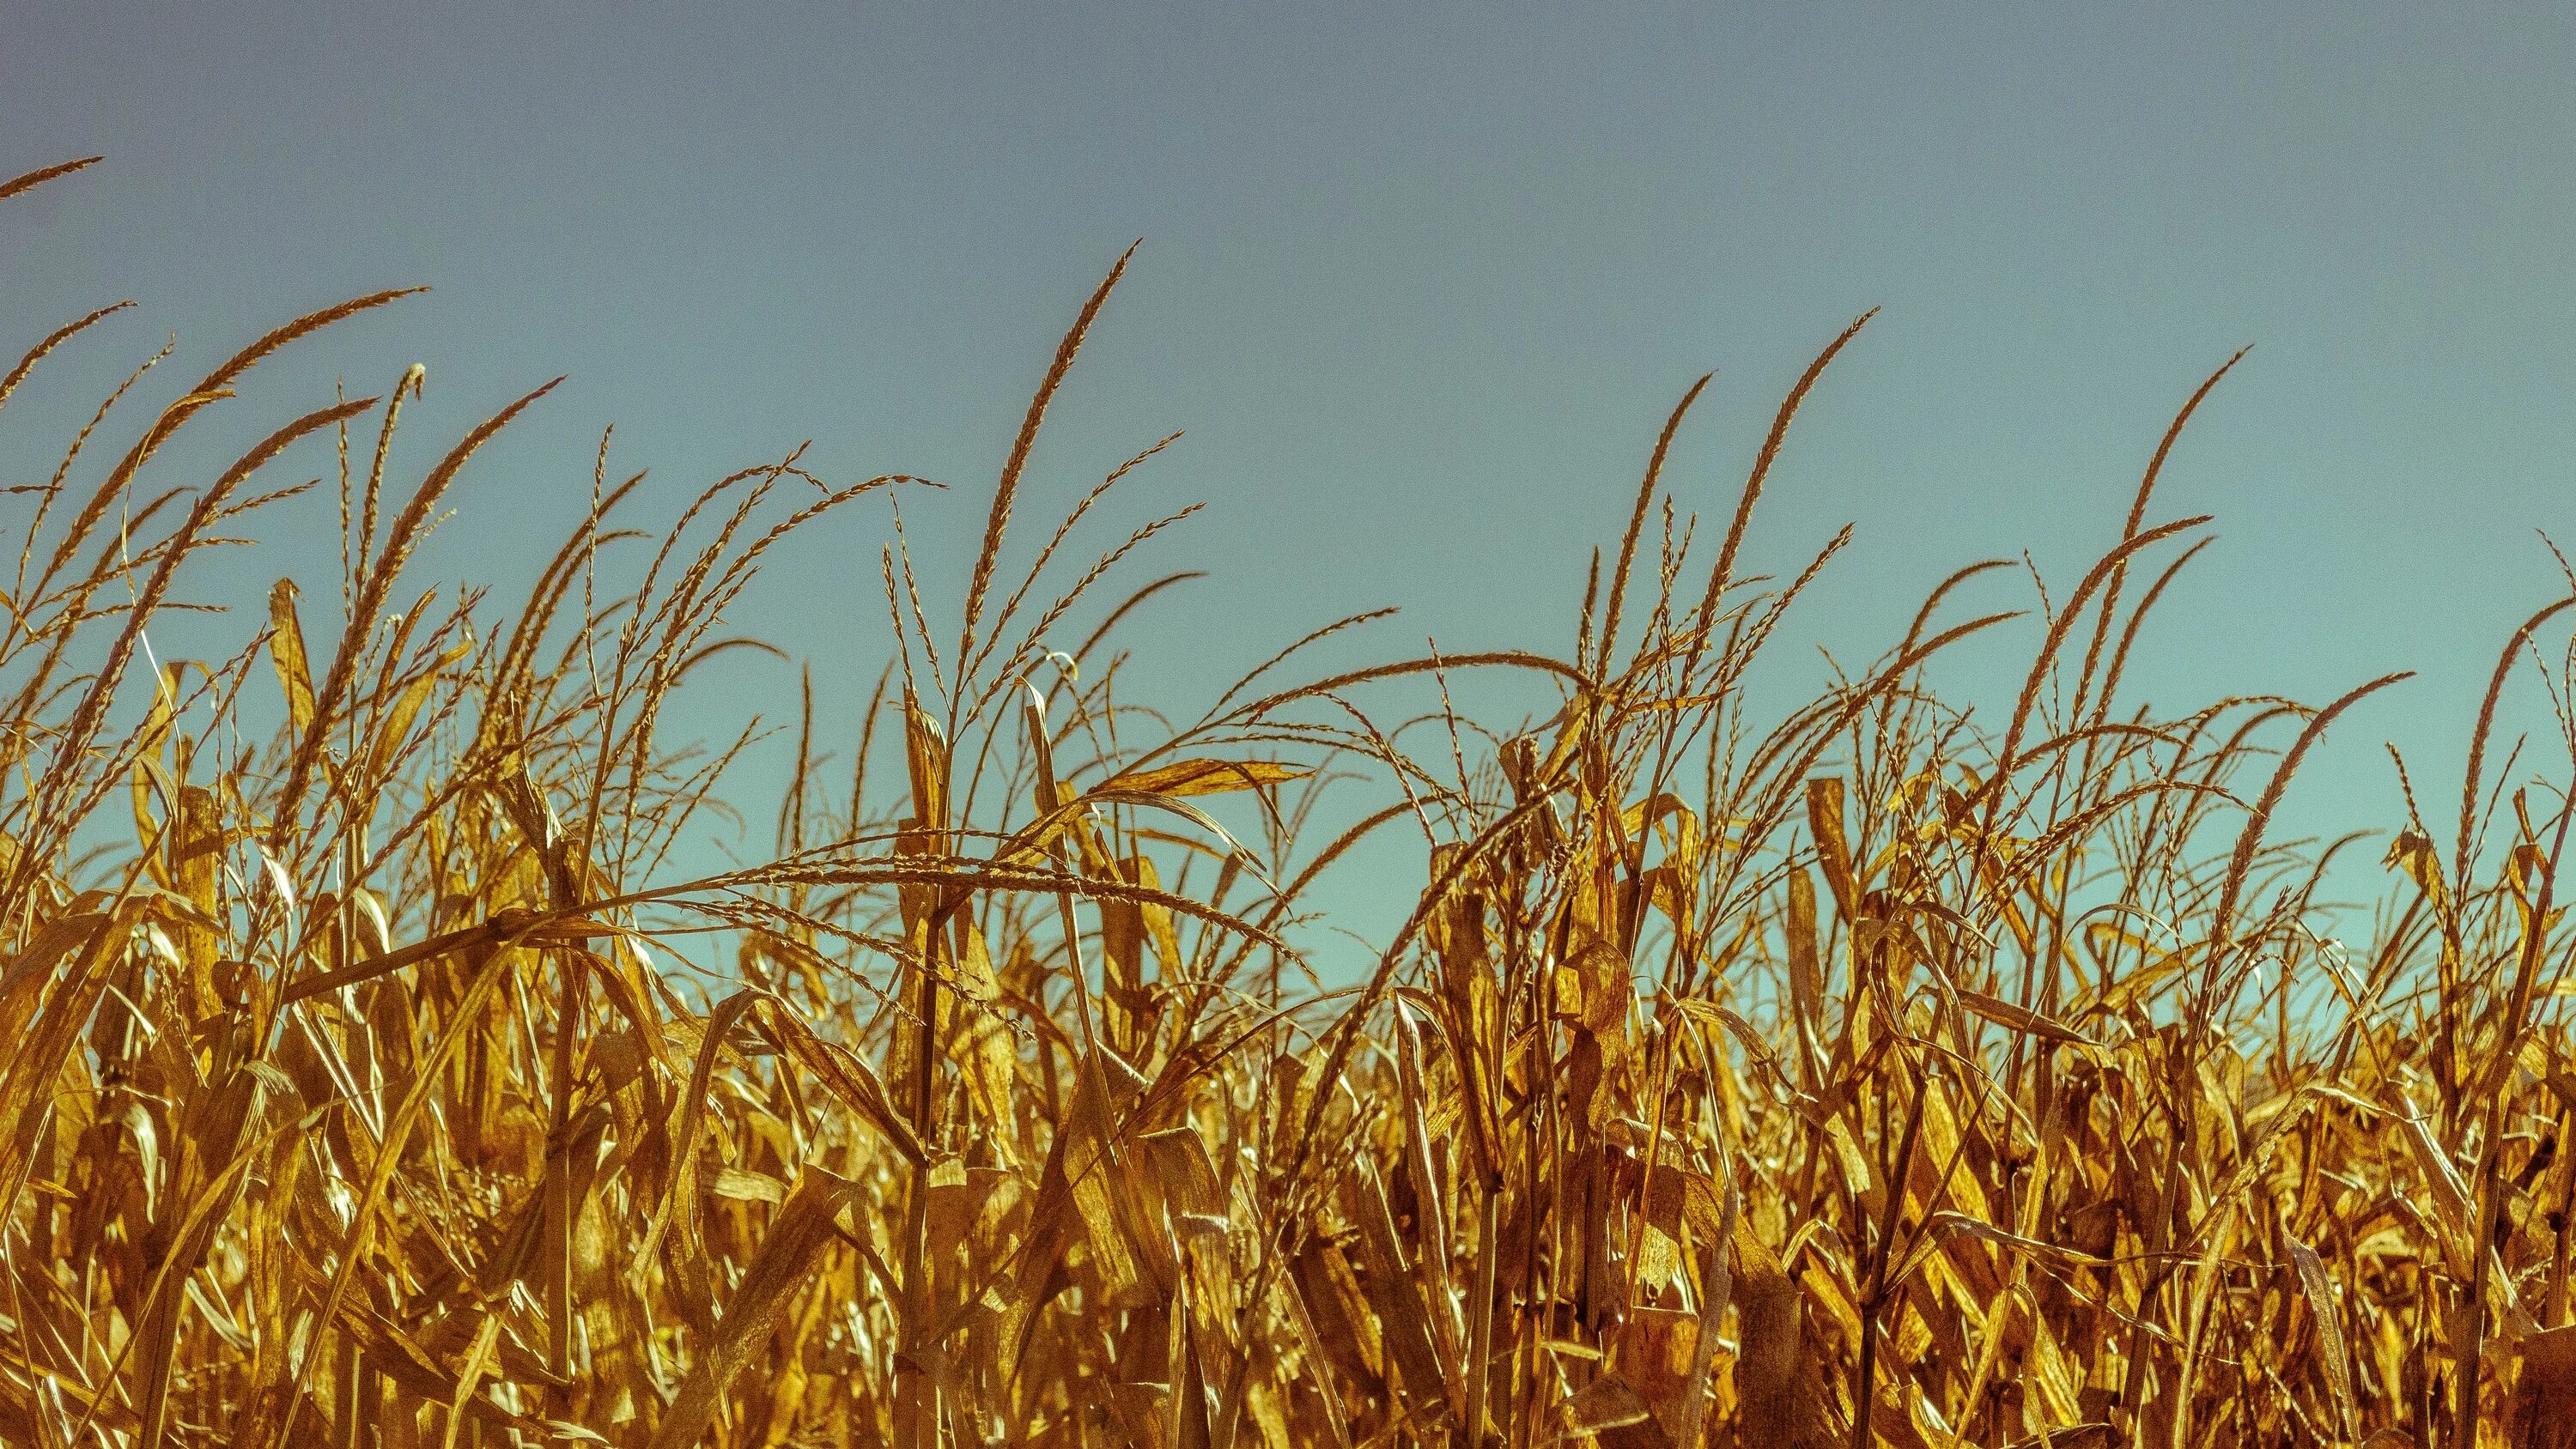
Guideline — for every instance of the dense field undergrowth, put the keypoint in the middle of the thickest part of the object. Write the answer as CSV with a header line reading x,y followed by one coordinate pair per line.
x,y
1864,1073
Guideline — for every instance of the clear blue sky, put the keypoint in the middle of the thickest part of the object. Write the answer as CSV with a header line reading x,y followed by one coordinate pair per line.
x,y
1421,281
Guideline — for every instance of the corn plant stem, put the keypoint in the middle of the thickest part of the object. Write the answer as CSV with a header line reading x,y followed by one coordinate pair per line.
x,y
917,1397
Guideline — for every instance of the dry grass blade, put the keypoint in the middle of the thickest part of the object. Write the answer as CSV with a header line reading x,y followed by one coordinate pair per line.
x,y
2320,1295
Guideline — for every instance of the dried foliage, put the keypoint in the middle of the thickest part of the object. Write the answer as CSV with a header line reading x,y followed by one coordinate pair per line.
x,y
1868,1074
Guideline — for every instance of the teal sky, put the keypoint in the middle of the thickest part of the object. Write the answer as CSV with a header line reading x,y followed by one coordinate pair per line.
x,y
1421,282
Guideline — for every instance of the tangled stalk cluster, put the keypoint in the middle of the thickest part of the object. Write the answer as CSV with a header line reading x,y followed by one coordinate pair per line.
x,y
1858,1075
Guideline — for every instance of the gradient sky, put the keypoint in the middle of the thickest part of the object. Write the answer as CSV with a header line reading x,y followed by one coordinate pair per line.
x,y
1421,281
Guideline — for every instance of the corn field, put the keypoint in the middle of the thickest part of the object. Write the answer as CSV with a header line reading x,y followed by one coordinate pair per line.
x,y
1868,1072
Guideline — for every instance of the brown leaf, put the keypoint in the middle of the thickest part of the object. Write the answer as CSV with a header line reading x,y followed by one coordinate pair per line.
x,y
1202,777
286,651
2004,1013
797,1235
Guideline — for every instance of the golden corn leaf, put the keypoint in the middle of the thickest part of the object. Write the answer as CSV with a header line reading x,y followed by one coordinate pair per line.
x,y
1202,777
